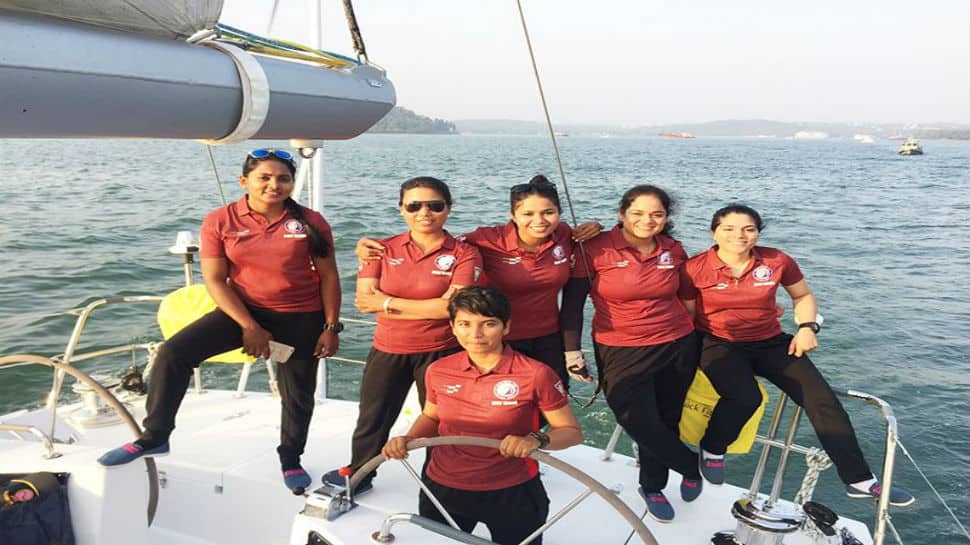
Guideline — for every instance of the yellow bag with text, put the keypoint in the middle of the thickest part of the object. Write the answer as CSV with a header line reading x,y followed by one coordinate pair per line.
x,y
186,305
698,406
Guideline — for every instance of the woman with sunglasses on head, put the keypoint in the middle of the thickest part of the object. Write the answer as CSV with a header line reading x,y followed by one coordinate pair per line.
x,y
643,337
528,259
408,290
269,265
730,290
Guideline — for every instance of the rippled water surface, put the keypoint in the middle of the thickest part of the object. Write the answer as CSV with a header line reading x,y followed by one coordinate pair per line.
x,y
884,240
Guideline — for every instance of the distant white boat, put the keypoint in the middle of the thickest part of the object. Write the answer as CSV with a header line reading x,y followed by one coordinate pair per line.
x,y
811,135
911,147
864,138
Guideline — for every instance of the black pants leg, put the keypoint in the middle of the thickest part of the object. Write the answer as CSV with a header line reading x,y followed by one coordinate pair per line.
x,y
801,380
633,379
211,334
732,374
383,389
549,350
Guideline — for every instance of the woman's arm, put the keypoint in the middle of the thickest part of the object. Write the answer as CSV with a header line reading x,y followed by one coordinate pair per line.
x,y
368,249
806,308
215,272
329,341
372,300
425,426
564,432
571,313
691,306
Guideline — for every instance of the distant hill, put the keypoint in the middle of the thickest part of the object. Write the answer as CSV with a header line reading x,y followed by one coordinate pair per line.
x,y
730,127
402,120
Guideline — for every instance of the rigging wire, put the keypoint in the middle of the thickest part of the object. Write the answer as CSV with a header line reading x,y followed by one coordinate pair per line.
x,y
355,34
272,17
215,170
933,488
562,171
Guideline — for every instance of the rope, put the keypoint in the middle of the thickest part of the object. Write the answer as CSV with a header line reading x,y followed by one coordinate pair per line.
x,y
355,31
935,491
562,172
215,170
281,48
817,461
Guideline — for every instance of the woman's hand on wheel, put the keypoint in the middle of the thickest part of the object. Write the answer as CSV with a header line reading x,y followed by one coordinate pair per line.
x,y
368,249
803,342
256,341
518,446
327,344
396,447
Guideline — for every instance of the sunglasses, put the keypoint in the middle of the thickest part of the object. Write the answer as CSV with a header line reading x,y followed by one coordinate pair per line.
x,y
434,206
267,153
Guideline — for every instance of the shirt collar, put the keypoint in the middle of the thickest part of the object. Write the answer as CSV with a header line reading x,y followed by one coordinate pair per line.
x,y
504,366
717,264
448,244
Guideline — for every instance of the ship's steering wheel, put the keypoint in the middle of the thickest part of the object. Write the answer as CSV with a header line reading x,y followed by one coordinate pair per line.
x,y
84,378
591,484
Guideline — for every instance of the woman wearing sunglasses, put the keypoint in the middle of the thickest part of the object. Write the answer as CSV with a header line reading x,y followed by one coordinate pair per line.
x,y
268,263
643,337
529,260
408,290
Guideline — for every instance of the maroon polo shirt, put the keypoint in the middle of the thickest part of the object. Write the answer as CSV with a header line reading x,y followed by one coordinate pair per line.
x,y
505,401
743,308
531,280
635,296
269,262
405,271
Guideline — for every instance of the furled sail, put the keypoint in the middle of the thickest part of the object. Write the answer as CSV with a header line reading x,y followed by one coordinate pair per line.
x,y
167,18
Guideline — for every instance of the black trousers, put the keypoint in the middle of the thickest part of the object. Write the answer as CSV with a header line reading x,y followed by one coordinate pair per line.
x,y
510,514
215,333
645,387
383,389
732,366
549,350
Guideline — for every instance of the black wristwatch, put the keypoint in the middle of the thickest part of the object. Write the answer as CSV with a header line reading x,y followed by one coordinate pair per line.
x,y
811,325
542,438
336,327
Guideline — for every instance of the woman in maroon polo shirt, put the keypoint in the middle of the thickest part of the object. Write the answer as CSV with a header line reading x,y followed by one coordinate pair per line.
x,y
529,260
730,289
489,390
644,341
268,263
408,291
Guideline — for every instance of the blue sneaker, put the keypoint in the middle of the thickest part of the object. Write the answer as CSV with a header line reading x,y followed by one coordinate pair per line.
x,y
712,469
130,452
691,488
335,480
657,505
897,496
297,480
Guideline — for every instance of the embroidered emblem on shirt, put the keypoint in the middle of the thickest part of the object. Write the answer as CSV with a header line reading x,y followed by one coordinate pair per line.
x,y
395,261
558,252
622,264
444,262
665,260
452,388
762,273
506,389
293,226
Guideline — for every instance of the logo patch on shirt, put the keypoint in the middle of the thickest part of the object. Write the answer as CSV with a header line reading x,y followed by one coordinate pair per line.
x,y
761,273
665,260
452,388
506,389
622,264
293,226
558,252
444,262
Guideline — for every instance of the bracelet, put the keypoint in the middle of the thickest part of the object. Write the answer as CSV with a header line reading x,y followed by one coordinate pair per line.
x,y
387,305
542,438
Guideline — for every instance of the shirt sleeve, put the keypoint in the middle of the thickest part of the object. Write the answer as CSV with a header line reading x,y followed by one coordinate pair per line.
x,y
468,270
210,238
687,290
791,273
430,393
550,391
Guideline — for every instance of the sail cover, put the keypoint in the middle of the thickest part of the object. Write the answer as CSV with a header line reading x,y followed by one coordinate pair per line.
x,y
176,19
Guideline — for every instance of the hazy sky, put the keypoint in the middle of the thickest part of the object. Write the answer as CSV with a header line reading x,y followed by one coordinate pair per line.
x,y
649,62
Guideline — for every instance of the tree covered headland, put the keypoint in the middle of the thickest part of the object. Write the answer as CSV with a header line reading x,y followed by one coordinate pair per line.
x,y
402,120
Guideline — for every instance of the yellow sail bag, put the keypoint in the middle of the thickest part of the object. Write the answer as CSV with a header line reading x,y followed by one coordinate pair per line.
x,y
698,406
186,305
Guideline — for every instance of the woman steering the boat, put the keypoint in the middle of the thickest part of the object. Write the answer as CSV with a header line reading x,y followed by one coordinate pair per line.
x,y
408,291
269,265
730,290
644,342
528,259
489,390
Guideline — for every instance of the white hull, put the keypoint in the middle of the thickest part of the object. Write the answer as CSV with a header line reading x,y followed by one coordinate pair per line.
x,y
127,85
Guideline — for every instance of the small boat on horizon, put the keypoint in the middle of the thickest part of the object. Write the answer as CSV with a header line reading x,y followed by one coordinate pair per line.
x,y
676,135
911,147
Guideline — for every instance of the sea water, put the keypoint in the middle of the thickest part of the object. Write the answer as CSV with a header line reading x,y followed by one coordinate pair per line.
x,y
882,239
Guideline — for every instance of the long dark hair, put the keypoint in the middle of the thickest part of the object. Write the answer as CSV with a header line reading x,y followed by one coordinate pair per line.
x,y
318,245
427,182
646,189
538,185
